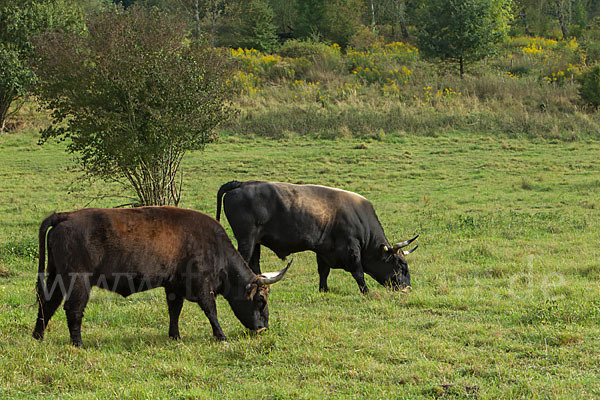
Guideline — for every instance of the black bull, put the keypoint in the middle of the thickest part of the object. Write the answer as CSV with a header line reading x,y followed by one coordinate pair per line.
x,y
341,227
132,250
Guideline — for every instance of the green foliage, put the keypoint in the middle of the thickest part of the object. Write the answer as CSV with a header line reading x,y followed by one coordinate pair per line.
x,y
589,89
132,97
463,30
19,22
310,15
316,54
341,20
256,28
363,38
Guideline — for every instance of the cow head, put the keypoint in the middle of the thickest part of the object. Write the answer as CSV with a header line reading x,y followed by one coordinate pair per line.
x,y
391,268
250,302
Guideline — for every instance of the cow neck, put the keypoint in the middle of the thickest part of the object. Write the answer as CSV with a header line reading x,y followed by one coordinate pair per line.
x,y
372,252
239,274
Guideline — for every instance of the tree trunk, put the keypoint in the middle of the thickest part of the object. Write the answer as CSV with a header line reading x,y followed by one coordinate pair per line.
x,y
562,19
462,68
372,16
5,103
402,12
213,27
197,19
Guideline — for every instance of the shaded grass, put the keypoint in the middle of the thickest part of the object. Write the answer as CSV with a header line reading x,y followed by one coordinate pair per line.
x,y
506,301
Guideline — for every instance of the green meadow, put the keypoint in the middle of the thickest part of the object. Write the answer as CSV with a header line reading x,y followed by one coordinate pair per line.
x,y
506,280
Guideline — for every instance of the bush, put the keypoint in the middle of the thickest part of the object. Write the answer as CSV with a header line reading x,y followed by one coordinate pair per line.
x,y
589,89
319,54
132,97
364,38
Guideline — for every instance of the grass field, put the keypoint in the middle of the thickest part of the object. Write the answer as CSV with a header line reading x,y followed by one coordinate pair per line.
x,y
505,300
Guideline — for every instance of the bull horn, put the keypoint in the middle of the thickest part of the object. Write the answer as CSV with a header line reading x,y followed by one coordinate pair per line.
x,y
407,252
269,278
405,243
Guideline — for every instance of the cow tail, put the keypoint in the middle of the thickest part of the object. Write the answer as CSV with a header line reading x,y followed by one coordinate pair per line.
x,y
52,220
222,190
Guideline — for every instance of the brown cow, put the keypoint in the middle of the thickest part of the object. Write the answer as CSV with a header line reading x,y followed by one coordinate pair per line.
x,y
132,250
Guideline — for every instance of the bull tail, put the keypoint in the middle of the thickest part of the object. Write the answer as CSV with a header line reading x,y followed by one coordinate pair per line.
x,y
52,220
222,190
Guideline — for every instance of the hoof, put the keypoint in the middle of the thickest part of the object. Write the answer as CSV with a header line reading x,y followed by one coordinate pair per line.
x,y
38,335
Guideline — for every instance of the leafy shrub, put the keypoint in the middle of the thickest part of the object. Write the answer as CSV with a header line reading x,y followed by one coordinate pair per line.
x,y
364,38
381,56
132,98
316,53
589,89
591,50
266,66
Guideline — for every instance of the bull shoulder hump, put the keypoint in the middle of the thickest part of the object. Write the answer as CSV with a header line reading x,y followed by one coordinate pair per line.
x,y
346,195
321,202
343,192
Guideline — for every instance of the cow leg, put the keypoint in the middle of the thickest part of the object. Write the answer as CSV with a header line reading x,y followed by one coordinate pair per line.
x,y
254,262
49,299
323,274
246,249
175,303
359,276
77,297
208,305
357,269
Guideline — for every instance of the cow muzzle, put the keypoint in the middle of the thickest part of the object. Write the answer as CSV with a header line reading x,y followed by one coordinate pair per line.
x,y
259,330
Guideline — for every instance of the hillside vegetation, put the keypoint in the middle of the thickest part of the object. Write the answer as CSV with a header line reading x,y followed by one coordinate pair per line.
x,y
528,90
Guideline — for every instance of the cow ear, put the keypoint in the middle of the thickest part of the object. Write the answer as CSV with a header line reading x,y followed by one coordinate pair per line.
x,y
251,290
384,249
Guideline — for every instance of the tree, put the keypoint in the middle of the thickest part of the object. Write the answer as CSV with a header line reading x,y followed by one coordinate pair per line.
x,y
589,87
309,18
19,20
255,28
341,20
463,30
132,96
392,12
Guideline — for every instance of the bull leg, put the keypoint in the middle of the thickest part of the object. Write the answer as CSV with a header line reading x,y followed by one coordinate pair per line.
x,y
246,249
49,299
175,303
77,298
255,259
323,274
359,277
357,269
208,305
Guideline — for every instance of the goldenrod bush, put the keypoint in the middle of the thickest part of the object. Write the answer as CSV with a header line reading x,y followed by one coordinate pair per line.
x,y
309,88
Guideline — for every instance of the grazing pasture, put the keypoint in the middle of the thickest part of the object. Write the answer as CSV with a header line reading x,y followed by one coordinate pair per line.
x,y
506,280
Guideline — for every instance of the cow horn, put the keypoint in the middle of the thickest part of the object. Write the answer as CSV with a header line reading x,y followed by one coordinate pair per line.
x,y
269,278
405,243
407,252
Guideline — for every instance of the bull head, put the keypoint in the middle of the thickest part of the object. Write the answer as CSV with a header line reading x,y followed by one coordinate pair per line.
x,y
249,304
